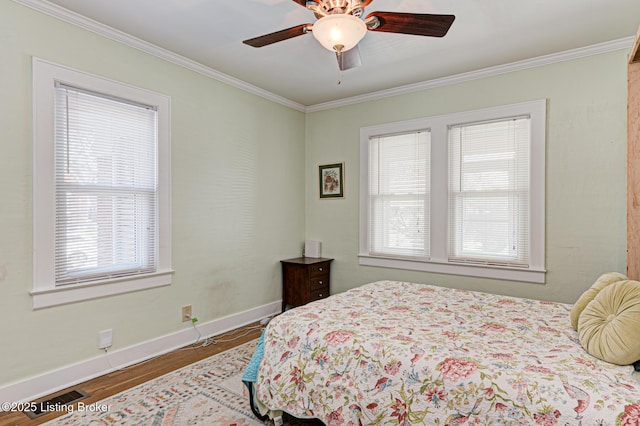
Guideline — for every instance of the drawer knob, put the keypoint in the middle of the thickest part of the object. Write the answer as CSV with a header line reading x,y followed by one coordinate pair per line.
x,y
320,295
319,269
320,282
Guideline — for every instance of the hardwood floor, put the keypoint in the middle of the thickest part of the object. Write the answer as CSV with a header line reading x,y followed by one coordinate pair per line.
x,y
117,381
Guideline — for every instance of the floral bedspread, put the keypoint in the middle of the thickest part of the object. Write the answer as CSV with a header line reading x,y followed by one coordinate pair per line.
x,y
403,353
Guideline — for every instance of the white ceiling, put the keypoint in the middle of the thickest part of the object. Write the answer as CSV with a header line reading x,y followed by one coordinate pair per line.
x,y
486,33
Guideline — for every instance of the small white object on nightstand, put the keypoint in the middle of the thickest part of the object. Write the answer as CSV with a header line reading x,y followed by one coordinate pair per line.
x,y
312,249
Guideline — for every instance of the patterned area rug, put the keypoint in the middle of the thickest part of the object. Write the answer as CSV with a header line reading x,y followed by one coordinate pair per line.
x,y
209,392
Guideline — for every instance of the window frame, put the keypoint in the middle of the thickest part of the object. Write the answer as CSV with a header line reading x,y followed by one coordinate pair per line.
x,y
438,261
44,291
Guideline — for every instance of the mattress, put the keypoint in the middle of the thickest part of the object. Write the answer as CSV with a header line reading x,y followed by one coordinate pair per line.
x,y
406,353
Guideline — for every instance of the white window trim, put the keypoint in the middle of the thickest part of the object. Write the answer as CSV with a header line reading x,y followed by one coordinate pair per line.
x,y
438,261
44,292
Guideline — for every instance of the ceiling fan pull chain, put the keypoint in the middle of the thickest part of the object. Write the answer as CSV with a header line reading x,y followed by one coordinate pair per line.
x,y
340,55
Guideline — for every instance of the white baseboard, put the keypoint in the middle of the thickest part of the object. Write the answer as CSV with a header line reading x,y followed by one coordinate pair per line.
x,y
71,375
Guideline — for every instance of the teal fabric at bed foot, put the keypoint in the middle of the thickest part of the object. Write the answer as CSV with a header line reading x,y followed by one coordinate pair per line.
x,y
251,372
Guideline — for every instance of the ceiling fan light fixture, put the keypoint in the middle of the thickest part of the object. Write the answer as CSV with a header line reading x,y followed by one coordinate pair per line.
x,y
339,32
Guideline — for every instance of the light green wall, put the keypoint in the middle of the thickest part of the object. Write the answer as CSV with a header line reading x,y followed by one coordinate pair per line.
x,y
585,178
237,188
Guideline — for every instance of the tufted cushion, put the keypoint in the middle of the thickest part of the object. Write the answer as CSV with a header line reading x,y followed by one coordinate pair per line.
x,y
603,281
609,327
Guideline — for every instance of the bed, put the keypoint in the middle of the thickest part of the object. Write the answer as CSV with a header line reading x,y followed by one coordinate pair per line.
x,y
403,353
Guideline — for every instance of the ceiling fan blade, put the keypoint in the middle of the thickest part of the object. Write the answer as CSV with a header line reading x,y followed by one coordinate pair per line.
x,y
423,24
349,59
281,35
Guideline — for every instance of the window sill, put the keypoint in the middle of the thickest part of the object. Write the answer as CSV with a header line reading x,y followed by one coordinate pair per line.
x,y
79,292
532,275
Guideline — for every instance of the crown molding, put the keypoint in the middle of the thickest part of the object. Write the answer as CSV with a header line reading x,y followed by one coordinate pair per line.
x,y
596,49
129,40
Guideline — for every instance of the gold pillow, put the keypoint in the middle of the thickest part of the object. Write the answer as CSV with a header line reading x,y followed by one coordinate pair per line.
x,y
609,327
603,281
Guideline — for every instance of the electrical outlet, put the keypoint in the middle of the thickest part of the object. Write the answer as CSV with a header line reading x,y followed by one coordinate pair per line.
x,y
105,339
186,313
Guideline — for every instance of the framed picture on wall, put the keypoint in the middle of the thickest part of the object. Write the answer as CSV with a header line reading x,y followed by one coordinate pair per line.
x,y
331,179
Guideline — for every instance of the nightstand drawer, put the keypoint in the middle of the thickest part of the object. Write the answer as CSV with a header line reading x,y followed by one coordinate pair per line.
x,y
319,269
319,293
319,281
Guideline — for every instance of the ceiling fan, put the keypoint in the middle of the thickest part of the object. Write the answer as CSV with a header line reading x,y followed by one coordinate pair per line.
x,y
340,26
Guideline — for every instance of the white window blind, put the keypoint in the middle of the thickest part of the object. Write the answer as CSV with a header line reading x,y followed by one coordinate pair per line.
x,y
105,187
399,194
489,192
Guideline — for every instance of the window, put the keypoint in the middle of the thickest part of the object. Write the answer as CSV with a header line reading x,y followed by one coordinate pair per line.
x,y
399,194
489,192
101,187
457,194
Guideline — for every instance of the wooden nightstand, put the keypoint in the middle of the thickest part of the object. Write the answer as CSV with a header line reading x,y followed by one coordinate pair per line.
x,y
304,279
